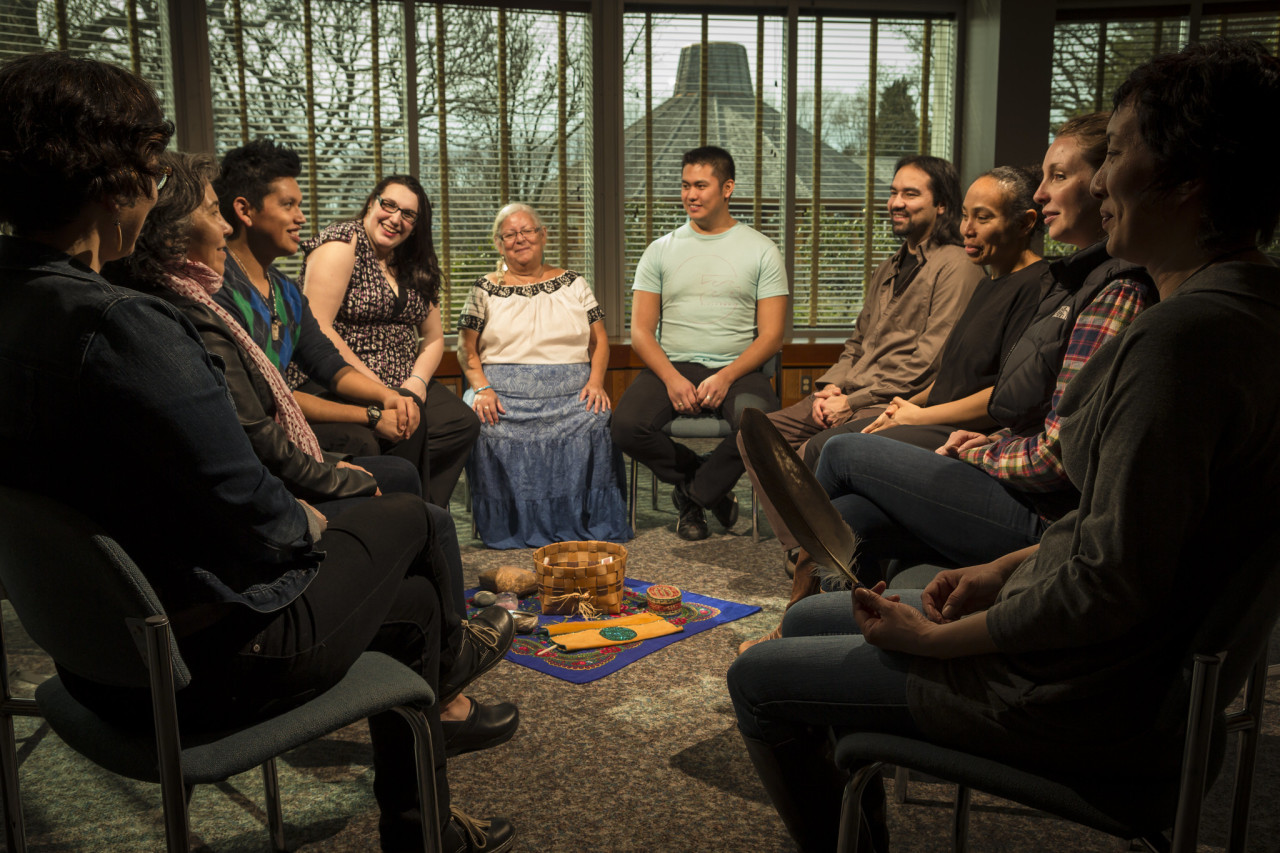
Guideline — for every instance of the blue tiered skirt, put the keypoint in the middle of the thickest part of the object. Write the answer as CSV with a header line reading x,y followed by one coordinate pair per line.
x,y
548,471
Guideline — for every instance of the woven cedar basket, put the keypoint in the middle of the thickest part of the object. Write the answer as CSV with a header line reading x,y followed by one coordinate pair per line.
x,y
577,567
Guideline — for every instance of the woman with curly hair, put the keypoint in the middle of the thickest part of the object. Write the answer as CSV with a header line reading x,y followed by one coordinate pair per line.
x,y
374,287
121,414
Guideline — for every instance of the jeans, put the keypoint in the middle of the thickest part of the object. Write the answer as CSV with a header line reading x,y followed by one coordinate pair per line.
x,y
907,503
821,673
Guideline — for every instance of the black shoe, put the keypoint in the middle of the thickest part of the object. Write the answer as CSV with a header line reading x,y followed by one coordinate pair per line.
x,y
486,638
485,726
692,525
463,834
726,511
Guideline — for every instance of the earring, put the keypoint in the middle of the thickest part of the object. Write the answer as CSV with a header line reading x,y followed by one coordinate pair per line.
x,y
119,236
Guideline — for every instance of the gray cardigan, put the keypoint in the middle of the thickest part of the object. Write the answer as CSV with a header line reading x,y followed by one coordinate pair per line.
x,y
1171,434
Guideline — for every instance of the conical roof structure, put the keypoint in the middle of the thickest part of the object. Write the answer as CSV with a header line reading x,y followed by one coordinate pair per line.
x,y
731,124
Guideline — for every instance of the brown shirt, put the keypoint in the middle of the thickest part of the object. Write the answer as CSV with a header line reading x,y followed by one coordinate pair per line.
x,y
898,337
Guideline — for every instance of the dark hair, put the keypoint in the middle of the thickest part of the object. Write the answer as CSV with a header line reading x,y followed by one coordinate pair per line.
x,y
74,131
1018,185
720,161
247,172
162,245
414,260
944,185
1198,112
1090,132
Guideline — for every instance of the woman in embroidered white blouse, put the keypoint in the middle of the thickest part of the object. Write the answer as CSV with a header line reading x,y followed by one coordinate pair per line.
x,y
533,346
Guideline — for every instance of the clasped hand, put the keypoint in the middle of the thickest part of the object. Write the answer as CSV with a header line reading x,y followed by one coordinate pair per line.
x,y
400,417
829,405
953,593
688,400
897,413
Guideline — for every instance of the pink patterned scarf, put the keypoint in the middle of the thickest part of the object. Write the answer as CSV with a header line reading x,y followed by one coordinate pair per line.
x,y
196,281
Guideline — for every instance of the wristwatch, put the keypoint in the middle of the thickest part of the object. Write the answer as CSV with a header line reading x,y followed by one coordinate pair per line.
x,y
374,414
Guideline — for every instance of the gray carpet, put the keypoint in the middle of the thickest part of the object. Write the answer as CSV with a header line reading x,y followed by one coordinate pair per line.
x,y
647,759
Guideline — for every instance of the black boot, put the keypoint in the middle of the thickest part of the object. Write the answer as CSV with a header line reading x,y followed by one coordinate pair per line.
x,y
805,787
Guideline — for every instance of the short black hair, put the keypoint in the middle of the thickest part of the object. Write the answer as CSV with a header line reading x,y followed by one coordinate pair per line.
x,y
247,172
720,161
944,186
75,131
1198,112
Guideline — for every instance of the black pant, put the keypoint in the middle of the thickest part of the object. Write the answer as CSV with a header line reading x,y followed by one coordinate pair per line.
x,y
379,588
645,409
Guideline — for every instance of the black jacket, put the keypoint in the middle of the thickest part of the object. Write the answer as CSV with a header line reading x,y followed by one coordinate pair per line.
x,y
1022,393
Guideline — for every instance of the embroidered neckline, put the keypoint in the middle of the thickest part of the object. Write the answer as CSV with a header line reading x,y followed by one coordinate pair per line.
x,y
550,285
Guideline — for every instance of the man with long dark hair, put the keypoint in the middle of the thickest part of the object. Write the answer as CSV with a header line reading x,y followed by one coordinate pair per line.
x,y
910,304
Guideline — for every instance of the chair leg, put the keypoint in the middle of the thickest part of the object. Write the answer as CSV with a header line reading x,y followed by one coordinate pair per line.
x,y
15,834
851,808
960,820
422,747
275,820
901,779
653,490
14,827
1195,762
755,517
1247,722
634,487
174,794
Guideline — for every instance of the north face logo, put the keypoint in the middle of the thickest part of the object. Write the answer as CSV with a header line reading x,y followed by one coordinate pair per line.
x,y
1063,313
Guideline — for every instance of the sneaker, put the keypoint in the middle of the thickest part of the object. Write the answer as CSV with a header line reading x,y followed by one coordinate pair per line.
x,y
692,525
463,834
726,511
486,638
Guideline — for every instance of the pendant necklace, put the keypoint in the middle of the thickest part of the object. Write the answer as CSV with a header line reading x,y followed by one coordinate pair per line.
x,y
276,325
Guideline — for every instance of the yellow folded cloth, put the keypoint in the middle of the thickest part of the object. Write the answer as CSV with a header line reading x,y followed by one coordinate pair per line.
x,y
577,636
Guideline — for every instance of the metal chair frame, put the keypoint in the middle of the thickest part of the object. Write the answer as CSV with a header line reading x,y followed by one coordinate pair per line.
x,y
42,527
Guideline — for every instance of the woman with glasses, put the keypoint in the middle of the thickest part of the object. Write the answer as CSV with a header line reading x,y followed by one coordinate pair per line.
x,y
532,343
122,414
374,286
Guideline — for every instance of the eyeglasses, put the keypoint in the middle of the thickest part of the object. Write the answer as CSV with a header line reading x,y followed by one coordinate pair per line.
x,y
162,176
528,233
409,216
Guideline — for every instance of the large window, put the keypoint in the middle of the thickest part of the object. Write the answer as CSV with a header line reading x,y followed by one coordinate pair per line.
x,y
1095,49
485,105
130,33
867,91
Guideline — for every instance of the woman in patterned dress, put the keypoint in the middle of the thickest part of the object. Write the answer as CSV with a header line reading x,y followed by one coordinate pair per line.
x,y
534,349
374,287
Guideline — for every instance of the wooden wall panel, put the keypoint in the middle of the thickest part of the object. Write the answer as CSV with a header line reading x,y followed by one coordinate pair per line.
x,y
802,364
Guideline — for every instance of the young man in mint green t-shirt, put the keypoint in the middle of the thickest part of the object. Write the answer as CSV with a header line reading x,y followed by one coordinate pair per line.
x,y
708,311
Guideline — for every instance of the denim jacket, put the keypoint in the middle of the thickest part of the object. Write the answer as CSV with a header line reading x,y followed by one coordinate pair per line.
x,y
110,403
